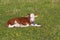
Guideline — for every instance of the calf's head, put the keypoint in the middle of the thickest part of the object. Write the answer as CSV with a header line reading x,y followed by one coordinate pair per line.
x,y
32,17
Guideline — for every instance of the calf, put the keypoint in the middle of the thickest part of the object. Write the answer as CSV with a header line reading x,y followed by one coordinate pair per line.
x,y
22,21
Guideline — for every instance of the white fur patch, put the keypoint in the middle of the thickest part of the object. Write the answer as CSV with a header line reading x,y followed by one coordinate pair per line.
x,y
16,24
35,25
24,25
32,18
10,26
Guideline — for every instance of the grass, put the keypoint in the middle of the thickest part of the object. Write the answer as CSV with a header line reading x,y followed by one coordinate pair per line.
x,y
49,18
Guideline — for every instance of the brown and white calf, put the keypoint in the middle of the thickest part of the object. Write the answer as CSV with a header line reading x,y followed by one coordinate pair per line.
x,y
22,21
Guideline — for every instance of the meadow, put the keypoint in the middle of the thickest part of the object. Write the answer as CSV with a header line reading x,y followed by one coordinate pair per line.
x,y
49,18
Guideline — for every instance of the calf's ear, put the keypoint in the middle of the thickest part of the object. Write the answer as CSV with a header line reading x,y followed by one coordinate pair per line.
x,y
28,15
36,15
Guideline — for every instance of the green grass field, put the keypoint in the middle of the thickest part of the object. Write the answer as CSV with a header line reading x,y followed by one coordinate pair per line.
x,y
49,18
